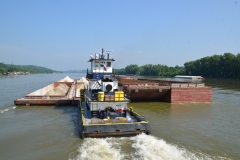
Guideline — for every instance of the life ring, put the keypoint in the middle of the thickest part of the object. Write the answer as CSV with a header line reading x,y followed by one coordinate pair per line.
x,y
120,110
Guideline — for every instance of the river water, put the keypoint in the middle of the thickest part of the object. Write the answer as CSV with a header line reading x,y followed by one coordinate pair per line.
x,y
179,131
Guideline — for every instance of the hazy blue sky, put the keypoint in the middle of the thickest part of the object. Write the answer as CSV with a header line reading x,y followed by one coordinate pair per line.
x,y
61,34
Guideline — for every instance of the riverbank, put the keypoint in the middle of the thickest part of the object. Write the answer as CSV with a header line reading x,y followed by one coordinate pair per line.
x,y
14,73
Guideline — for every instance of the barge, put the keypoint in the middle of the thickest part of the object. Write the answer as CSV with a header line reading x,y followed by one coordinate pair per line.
x,y
103,108
65,91
60,92
141,89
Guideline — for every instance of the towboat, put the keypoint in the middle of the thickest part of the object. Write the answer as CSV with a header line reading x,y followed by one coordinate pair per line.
x,y
103,107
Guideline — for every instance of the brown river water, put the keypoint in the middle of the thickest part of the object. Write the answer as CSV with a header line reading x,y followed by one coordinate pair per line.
x,y
179,131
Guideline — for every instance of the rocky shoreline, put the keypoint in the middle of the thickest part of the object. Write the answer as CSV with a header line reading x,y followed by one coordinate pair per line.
x,y
14,73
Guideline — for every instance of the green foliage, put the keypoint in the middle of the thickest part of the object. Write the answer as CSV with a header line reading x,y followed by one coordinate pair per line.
x,y
120,71
151,70
219,66
2,68
131,69
23,68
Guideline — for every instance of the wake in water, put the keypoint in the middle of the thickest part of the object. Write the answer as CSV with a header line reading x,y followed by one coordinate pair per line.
x,y
143,146
7,109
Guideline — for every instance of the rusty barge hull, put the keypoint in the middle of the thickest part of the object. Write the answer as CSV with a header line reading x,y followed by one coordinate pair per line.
x,y
23,101
136,93
170,94
167,91
184,95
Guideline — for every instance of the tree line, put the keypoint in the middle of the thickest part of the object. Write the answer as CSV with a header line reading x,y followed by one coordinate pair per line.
x,y
4,68
216,66
151,70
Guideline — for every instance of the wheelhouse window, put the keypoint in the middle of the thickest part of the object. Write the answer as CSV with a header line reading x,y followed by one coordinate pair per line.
x,y
96,64
102,64
108,64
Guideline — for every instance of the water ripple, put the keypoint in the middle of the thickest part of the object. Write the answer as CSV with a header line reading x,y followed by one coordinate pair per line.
x,y
7,109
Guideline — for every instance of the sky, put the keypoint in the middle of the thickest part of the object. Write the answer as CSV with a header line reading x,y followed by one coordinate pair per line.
x,y
61,34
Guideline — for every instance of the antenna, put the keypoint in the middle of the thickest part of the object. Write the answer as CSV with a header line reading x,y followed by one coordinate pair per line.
x,y
102,57
108,52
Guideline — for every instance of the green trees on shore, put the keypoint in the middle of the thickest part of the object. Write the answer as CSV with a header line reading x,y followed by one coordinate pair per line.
x,y
4,68
216,66
151,70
